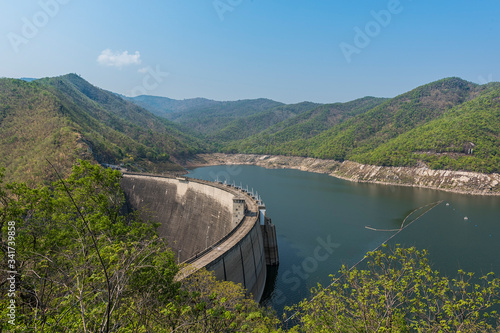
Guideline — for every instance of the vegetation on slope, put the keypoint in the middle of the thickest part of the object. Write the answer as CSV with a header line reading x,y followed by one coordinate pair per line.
x,y
202,116
390,119
244,127
303,126
32,130
465,138
448,124
65,118
225,125
163,106
111,110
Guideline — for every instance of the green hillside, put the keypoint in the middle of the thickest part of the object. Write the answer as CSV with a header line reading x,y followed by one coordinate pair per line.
x,y
163,106
65,118
305,125
392,118
120,114
227,125
465,138
358,137
33,129
244,127
203,116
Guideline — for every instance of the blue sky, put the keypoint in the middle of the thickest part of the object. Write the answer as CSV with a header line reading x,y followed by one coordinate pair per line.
x,y
286,50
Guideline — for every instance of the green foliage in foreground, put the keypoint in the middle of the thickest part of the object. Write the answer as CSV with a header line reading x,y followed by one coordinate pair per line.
x,y
399,292
83,266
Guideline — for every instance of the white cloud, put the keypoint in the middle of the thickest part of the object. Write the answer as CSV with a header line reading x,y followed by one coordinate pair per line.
x,y
117,59
143,70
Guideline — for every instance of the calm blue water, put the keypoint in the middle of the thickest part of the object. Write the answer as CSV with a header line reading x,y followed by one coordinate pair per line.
x,y
321,220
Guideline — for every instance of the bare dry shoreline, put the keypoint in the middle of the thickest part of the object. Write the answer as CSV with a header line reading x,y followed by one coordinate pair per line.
x,y
452,181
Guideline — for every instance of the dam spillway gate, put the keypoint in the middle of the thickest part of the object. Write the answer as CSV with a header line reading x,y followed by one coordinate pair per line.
x,y
220,227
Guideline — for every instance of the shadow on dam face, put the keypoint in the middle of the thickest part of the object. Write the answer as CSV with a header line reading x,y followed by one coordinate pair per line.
x,y
209,225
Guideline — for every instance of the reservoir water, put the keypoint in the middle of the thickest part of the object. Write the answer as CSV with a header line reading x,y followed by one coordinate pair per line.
x,y
321,224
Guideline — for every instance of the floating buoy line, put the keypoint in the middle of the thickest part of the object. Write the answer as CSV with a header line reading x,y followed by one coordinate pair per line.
x,y
397,231
431,205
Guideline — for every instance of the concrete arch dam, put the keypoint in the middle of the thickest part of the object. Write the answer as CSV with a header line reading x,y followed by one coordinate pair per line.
x,y
211,225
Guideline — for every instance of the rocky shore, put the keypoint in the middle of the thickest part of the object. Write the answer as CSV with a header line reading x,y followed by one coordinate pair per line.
x,y
452,181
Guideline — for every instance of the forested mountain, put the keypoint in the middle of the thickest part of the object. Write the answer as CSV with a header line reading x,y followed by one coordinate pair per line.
x,y
393,133
122,115
163,106
246,126
201,115
467,137
32,129
226,122
305,125
392,118
64,118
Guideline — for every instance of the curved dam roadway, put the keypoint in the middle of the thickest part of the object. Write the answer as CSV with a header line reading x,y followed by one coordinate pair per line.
x,y
211,225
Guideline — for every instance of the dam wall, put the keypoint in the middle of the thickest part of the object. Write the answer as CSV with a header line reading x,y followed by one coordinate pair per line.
x,y
206,224
192,215
243,263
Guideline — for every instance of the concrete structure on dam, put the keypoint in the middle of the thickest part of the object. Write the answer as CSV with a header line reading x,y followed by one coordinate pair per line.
x,y
222,228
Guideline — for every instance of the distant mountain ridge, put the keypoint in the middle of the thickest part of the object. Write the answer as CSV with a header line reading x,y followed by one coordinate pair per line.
x,y
162,106
203,116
